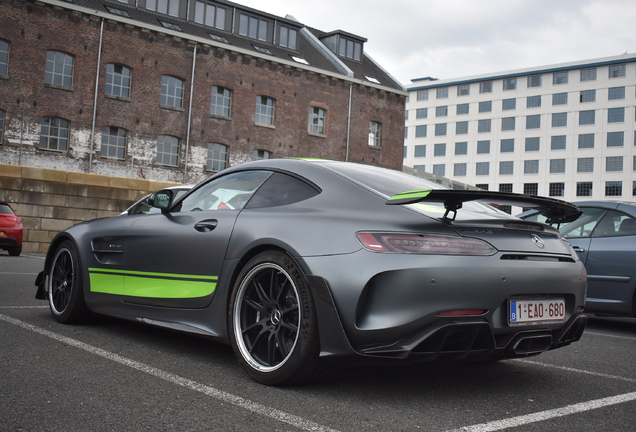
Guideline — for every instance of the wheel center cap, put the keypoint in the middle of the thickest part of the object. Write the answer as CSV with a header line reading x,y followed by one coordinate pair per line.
x,y
276,316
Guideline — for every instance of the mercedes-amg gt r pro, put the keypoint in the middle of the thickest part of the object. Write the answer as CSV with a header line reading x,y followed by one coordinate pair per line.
x,y
299,264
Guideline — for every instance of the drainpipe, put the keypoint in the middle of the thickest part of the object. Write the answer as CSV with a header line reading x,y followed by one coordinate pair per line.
x,y
185,164
349,122
99,63
21,134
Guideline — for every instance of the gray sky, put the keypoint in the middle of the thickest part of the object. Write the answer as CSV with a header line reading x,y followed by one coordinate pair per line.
x,y
456,38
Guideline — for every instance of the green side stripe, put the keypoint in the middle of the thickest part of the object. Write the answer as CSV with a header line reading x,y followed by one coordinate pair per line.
x,y
411,194
151,285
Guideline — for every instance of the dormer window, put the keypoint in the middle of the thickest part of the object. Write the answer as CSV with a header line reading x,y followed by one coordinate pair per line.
x,y
344,46
209,15
287,37
253,27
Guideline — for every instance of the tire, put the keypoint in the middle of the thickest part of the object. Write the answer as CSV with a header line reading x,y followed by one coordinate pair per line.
x,y
272,322
65,291
15,251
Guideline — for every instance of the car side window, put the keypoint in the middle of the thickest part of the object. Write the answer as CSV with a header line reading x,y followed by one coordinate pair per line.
x,y
282,189
229,192
615,224
584,225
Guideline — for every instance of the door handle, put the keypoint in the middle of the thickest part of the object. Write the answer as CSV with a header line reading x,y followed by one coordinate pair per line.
x,y
206,225
578,249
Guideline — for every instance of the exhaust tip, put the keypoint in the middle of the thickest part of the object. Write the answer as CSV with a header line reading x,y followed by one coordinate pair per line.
x,y
531,344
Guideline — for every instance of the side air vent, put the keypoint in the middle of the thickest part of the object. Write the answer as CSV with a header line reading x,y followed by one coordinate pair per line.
x,y
518,257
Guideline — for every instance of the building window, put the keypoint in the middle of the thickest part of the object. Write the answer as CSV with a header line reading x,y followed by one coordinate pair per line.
x,y
461,148
463,90
442,92
506,167
533,121
584,189
421,113
375,134
209,15
440,129
420,151
171,91
422,95
217,157
615,139
587,117
317,120
534,81
420,131
260,155
168,7
613,188
507,145
169,25
532,144
484,125
118,79
556,189
531,188
482,168
405,153
462,108
406,133
557,142
253,27
585,165
586,141
505,187
419,167
485,87
533,101
510,84
59,69
634,188
439,170
587,96
588,74
264,110
167,150
483,147
509,104
221,101
560,99
485,106
616,115
508,124
461,128
344,47
4,58
459,170
113,143
614,93
559,119
288,37
54,134
560,78
531,167
483,186
614,163
617,71
441,111
439,150
557,166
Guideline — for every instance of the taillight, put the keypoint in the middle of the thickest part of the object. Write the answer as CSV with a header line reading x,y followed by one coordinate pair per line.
x,y
424,244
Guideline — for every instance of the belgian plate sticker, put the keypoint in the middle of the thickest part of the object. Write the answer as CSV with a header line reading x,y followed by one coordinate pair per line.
x,y
537,311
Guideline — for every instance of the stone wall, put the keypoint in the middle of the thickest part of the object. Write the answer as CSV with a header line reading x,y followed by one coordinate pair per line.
x,y
49,201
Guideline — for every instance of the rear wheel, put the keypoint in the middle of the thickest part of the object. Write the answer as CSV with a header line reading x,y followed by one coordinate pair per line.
x,y
272,321
65,289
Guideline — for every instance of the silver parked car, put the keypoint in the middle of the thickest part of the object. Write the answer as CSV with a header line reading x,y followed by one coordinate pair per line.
x,y
605,239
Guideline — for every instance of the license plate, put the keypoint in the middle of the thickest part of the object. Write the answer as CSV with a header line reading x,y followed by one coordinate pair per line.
x,y
532,311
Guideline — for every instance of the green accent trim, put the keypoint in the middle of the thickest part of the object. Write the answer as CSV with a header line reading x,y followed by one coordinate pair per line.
x,y
422,193
151,285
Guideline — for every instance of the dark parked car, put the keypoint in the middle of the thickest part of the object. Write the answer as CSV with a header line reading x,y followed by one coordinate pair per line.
x,y
298,262
605,239
11,231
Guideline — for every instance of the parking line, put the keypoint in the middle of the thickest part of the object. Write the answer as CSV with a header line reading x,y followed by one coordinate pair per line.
x,y
569,369
609,335
238,401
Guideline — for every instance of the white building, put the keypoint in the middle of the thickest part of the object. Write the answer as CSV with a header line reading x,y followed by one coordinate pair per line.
x,y
565,131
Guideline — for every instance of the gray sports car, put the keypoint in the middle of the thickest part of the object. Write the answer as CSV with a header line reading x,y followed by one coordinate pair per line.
x,y
302,263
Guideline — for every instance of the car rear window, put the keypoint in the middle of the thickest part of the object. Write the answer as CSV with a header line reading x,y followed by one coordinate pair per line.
x,y
5,209
281,189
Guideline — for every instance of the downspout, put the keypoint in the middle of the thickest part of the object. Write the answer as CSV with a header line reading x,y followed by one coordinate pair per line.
x,y
349,122
99,65
187,149
21,134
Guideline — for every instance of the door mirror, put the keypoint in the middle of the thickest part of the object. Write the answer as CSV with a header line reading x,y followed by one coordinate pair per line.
x,y
161,199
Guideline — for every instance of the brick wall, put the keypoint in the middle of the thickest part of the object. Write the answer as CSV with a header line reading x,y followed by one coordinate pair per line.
x,y
48,201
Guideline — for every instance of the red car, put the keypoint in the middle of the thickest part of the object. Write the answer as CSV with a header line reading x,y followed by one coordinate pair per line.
x,y
10,230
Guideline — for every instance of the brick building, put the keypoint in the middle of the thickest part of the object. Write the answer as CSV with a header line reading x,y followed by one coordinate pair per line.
x,y
172,90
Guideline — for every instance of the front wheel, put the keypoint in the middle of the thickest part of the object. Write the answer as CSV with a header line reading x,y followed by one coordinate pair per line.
x,y
272,321
65,289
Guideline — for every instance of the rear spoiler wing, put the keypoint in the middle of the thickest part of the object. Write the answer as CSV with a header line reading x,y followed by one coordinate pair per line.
x,y
556,211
